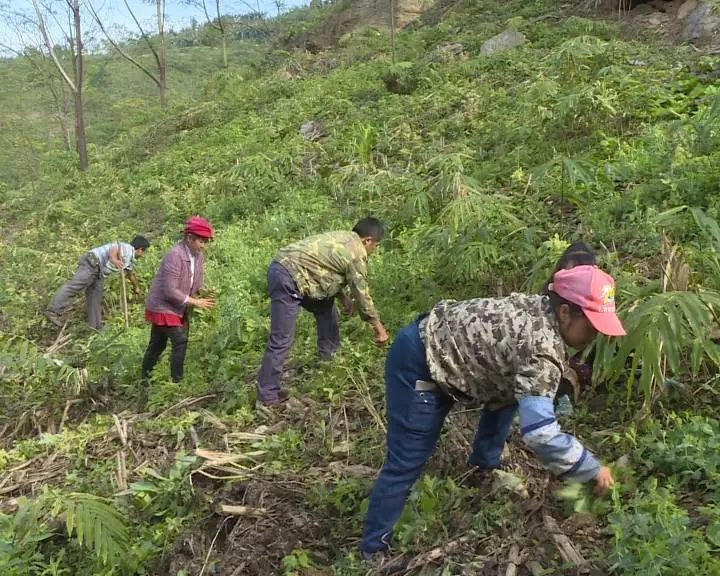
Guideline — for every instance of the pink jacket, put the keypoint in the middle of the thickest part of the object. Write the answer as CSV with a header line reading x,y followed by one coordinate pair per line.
x,y
171,284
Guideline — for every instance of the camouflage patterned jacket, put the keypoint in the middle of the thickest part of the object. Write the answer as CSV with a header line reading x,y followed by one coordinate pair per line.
x,y
497,351
324,264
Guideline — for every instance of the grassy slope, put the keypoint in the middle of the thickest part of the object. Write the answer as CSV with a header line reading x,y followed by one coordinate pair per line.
x,y
447,166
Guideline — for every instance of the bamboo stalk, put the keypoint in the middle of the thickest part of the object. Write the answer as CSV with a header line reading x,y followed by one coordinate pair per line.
x,y
124,288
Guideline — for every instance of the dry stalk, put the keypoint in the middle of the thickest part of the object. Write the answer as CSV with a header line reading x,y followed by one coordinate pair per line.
x,y
233,510
567,549
66,411
185,403
121,474
513,560
441,551
364,390
245,436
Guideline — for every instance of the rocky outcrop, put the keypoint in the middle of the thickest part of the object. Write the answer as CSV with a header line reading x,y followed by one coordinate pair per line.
x,y
355,14
504,41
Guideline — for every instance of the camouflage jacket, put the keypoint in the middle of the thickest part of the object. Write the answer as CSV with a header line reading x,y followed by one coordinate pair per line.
x,y
498,351
324,264
494,350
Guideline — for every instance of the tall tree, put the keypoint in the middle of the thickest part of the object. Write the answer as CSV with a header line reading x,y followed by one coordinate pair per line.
x,y
218,23
159,76
75,80
44,77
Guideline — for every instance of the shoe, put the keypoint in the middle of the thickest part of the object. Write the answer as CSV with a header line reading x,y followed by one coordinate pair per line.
x,y
383,562
55,318
283,396
478,476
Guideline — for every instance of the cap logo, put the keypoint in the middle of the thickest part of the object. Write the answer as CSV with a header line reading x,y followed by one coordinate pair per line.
x,y
607,295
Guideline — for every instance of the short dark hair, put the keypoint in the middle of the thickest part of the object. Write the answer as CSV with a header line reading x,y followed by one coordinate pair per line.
x,y
577,254
140,243
370,227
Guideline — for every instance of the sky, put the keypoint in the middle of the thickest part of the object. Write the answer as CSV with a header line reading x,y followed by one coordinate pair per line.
x,y
179,13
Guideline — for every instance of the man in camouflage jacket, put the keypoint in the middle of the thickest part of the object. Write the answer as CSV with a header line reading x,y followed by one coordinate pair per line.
x,y
506,353
312,273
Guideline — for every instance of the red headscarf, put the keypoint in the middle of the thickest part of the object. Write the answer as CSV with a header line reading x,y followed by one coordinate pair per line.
x,y
198,226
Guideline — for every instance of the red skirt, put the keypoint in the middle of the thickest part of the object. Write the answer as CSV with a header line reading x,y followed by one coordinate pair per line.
x,y
163,318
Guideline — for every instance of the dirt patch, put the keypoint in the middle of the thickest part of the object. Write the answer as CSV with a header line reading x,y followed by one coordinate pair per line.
x,y
674,20
270,521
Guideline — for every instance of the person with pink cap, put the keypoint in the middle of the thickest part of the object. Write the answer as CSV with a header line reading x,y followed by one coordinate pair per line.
x,y
507,354
173,293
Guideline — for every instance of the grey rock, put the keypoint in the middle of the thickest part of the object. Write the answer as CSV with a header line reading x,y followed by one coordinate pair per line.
x,y
506,40
446,52
687,7
312,130
701,23
450,50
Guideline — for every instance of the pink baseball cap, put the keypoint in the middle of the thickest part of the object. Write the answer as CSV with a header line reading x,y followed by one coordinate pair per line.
x,y
594,291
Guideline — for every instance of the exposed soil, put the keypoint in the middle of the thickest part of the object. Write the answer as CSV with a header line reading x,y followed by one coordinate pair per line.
x,y
250,545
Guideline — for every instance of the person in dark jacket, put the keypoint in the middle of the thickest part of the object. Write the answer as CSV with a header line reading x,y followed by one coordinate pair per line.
x,y
173,292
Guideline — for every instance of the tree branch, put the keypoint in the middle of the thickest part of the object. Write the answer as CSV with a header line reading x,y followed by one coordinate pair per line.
x,y
117,46
143,34
48,44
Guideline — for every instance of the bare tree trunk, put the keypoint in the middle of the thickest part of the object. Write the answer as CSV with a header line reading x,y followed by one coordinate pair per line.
x,y
223,33
80,138
158,55
162,67
64,128
219,25
392,29
75,84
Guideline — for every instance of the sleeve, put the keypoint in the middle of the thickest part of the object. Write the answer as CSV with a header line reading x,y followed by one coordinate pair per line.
x,y
128,257
171,270
356,277
561,453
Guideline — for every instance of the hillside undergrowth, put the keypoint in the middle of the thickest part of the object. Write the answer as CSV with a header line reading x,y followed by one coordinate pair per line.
x,y
483,169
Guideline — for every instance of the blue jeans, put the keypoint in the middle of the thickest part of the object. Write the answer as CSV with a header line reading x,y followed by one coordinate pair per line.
x,y
414,422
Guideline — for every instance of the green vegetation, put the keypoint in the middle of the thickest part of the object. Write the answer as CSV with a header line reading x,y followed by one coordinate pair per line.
x,y
484,167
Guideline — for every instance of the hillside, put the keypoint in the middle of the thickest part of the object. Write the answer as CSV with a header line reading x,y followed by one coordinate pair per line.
x,y
484,163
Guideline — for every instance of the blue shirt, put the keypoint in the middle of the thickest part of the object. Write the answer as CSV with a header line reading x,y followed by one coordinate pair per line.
x,y
103,255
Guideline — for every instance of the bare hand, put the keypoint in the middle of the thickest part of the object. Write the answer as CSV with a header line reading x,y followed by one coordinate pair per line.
x,y
381,336
204,303
603,481
347,307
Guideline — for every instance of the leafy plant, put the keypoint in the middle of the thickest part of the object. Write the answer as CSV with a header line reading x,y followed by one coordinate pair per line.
x,y
667,334
295,563
685,449
90,520
653,536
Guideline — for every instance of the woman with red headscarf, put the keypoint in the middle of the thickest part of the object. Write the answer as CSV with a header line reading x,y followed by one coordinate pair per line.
x,y
174,290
